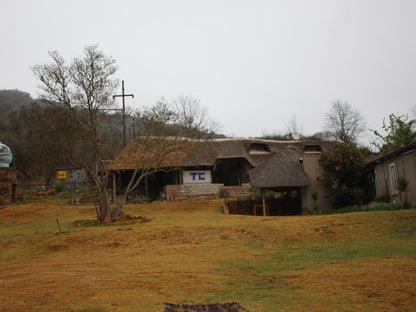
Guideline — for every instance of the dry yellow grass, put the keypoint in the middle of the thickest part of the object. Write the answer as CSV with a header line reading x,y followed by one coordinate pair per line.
x,y
191,253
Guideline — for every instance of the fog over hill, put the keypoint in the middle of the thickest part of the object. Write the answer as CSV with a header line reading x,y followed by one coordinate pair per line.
x,y
13,100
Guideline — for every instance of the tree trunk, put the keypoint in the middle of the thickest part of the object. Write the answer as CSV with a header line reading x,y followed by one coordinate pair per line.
x,y
118,212
105,204
105,214
105,209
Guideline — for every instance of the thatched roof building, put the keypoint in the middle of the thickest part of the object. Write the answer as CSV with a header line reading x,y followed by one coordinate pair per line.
x,y
283,170
207,152
223,166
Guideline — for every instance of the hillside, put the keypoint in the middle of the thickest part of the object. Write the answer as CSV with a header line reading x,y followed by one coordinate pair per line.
x,y
12,100
190,252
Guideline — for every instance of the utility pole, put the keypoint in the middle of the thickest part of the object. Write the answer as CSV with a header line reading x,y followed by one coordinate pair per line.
x,y
134,128
122,95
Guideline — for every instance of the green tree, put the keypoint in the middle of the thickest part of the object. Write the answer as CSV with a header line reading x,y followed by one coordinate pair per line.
x,y
346,174
398,132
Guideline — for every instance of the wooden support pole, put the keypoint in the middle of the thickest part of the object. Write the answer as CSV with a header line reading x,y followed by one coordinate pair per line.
x,y
59,227
146,188
114,187
263,199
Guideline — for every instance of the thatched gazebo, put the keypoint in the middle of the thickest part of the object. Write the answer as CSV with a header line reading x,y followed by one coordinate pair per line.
x,y
282,172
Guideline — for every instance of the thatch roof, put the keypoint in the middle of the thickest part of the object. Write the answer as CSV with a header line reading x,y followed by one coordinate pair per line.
x,y
282,170
207,152
151,152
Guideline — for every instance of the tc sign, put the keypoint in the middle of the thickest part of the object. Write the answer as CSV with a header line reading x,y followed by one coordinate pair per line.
x,y
197,176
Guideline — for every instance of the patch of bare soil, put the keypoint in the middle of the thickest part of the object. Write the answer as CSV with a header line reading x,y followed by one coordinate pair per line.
x,y
127,219
213,307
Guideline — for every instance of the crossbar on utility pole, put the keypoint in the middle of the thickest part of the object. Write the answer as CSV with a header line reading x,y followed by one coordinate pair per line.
x,y
122,95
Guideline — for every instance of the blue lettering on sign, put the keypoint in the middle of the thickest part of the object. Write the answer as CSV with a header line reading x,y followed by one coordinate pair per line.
x,y
197,176
193,174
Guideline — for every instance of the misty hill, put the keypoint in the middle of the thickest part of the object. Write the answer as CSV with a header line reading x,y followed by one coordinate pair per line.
x,y
13,100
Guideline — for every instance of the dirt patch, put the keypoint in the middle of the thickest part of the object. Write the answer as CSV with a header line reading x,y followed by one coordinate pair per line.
x,y
213,307
125,220
57,247
324,230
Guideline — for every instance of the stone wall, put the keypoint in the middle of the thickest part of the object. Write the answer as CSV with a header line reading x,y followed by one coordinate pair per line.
x,y
235,191
8,183
192,191
202,191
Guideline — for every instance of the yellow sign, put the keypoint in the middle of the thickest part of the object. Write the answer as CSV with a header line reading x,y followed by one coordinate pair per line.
x,y
61,175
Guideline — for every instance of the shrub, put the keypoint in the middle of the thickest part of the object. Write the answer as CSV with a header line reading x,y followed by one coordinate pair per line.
x,y
346,177
402,186
379,206
314,195
59,187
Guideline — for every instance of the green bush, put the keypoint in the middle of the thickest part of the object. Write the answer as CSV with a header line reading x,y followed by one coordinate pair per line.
x,y
314,195
402,184
374,207
59,187
346,175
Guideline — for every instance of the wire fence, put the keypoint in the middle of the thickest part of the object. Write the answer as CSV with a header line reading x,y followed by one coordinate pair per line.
x,y
67,186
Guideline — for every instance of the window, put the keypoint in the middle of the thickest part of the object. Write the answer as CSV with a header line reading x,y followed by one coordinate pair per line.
x,y
259,148
312,148
393,178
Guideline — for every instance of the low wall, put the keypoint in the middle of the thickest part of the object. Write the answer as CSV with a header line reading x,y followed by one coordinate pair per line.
x,y
192,191
235,191
202,191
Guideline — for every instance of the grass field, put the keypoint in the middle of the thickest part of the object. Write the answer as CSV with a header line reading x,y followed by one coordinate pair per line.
x,y
190,252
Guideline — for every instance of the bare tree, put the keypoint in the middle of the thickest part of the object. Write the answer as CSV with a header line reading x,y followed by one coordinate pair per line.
x,y
293,130
84,89
275,135
193,118
344,122
167,131
321,136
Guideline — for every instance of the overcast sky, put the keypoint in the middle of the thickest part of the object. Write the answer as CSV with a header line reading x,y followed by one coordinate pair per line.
x,y
253,64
